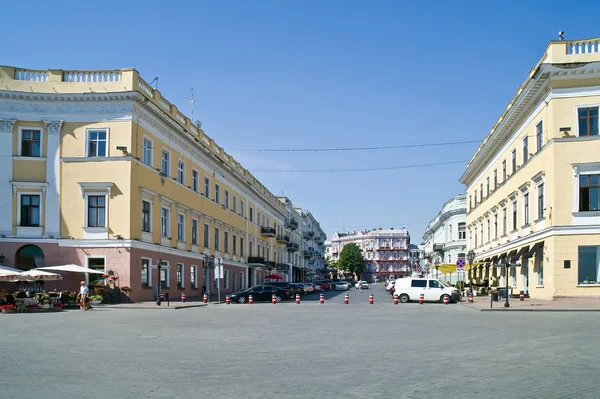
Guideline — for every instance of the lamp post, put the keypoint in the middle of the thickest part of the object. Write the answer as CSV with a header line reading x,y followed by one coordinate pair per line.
x,y
437,268
158,301
208,263
506,304
471,258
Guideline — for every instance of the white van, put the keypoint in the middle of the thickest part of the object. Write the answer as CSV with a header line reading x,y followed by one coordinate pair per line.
x,y
410,288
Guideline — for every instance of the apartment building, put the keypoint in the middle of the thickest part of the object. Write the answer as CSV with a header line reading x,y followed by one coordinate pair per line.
x,y
99,169
533,184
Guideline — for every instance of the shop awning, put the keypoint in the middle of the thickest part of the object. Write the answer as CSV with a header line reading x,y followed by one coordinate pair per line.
x,y
511,254
534,249
519,253
493,259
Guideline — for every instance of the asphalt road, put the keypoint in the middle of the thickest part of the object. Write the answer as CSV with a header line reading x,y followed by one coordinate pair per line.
x,y
300,351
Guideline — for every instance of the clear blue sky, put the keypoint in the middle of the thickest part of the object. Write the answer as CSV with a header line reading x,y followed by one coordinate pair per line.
x,y
284,74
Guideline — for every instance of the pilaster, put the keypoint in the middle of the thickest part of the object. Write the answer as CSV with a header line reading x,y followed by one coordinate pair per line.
x,y
52,213
6,176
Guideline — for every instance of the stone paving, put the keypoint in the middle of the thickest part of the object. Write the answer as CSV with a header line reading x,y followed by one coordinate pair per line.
x,y
300,351
559,305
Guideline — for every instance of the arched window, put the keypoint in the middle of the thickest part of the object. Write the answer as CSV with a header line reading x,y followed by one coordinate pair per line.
x,y
29,257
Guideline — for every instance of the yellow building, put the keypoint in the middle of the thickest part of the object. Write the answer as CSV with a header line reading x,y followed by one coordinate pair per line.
x,y
100,170
533,187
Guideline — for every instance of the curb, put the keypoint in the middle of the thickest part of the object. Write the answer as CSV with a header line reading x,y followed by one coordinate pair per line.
x,y
538,310
155,307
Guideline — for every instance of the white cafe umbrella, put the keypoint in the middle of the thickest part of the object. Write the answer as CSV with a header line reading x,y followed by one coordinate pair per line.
x,y
8,275
36,275
72,269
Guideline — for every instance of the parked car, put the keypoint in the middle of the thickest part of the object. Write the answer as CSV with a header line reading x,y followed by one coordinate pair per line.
x,y
365,285
324,286
390,285
317,286
409,289
308,288
297,288
261,293
342,285
281,284
330,283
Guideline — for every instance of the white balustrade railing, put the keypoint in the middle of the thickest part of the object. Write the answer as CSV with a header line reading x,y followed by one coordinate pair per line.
x,y
145,87
206,140
91,76
33,76
165,104
584,47
180,118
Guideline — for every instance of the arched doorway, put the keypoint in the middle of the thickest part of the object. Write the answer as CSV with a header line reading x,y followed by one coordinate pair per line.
x,y
29,257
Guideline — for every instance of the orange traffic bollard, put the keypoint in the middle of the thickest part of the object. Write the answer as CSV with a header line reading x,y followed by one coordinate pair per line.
x,y
347,299
273,299
371,299
322,298
250,299
395,300
205,298
446,300
470,298
182,297
421,298
298,298
227,300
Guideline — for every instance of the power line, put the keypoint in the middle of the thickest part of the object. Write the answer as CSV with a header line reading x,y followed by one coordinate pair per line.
x,y
356,170
388,147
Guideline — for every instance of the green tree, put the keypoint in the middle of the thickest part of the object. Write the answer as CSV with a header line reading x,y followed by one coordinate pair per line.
x,y
351,259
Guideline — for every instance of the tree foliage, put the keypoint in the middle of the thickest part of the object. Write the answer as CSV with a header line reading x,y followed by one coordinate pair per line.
x,y
351,259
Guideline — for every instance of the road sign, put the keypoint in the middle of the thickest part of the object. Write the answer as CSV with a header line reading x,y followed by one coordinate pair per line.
x,y
218,267
460,263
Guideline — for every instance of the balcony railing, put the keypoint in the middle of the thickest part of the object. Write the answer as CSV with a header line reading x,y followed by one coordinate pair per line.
x,y
283,238
291,224
292,247
256,260
268,231
282,266
306,236
306,254
270,264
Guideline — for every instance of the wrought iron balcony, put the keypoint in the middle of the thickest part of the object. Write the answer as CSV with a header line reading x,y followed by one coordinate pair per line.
x,y
256,260
283,238
268,231
291,224
306,236
306,254
292,247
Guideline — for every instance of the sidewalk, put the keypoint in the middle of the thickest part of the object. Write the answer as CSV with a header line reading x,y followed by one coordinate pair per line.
x,y
173,305
534,305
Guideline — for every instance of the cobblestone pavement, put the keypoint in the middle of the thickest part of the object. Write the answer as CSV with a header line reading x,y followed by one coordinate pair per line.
x,y
300,351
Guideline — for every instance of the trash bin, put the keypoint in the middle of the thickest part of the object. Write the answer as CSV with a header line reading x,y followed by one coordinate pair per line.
x,y
495,296
503,293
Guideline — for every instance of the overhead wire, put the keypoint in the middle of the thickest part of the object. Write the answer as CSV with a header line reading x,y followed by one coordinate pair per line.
x,y
335,170
387,147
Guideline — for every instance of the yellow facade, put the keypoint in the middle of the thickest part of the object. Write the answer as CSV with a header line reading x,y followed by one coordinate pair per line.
x,y
512,205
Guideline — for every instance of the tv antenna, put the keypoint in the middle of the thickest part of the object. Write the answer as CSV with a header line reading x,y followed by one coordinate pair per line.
x,y
191,101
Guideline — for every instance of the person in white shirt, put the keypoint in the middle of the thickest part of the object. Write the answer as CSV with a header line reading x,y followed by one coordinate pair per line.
x,y
84,294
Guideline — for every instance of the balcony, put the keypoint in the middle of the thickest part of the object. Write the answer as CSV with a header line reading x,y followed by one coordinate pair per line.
x,y
283,239
292,247
256,260
282,266
268,231
270,265
291,224
306,254
311,234
438,247
306,236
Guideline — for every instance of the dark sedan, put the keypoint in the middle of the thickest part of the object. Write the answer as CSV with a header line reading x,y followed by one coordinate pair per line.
x,y
261,293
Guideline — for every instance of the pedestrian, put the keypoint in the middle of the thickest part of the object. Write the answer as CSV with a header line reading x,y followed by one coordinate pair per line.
x,y
360,286
83,291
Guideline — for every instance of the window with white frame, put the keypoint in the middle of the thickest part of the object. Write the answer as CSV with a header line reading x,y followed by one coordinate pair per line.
x,y
539,267
194,232
146,273
241,280
30,142
589,192
489,237
251,214
217,193
226,199
165,166
495,225
97,143
503,171
30,210
96,211
481,192
513,277
164,275
146,216
526,208
206,236
233,283
504,221
165,215
514,215
234,242
241,246
588,265
180,275
539,136
207,187
525,149
195,180
194,276
462,231
514,160
495,179
217,232
587,121
540,201
475,229
180,172
226,279
180,227
147,151
234,204
487,182
242,209
226,242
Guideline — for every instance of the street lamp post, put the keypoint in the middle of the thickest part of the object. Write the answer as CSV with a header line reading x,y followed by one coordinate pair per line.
x,y
208,263
437,268
158,301
506,304
471,258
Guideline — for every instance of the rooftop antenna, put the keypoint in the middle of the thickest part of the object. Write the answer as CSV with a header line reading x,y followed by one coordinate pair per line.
x,y
156,85
561,35
191,101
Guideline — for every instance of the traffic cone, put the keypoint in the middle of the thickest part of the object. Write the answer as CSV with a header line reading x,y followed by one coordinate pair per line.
x,y
322,298
227,300
205,298
395,300
182,297
347,299
273,299
446,300
522,296
470,298
421,298
298,299
250,299
371,299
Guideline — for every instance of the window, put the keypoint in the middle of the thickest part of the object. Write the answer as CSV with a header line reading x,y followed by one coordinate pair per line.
x,y
488,187
96,143
164,275
195,180
588,121
194,276
514,215
589,193
241,246
513,276
146,207
489,237
462,231
97,264
251,214
418,283
180,275
180,227
475,197
481,192
31,143
233,283
475,228
147,151
164,221
514,161
242,210
470,203
525,149
180,172
226,199
504,221
216,239
526,208
234,242
539,136
503,171
96,211
206,235
495,225
540,201
539,267
226,242
217,193
145,273
194,232
234,204
207,187
165,163
241,280
30,210
225,278
589,268
495,179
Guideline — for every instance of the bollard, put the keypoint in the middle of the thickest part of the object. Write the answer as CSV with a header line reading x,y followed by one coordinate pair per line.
x,y
395,300
446,300
182,297
347,299
322,298
205,298
298,298
273,299
421,298
470,298
371,299
522,296
227,300
250,299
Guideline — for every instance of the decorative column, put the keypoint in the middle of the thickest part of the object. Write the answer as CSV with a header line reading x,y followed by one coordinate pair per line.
x,y
52,206
6,176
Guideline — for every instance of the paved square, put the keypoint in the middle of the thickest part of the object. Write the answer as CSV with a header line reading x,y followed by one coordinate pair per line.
x,y
300,351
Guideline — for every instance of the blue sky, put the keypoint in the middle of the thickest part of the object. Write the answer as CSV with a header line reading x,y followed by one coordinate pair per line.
x,y
305,74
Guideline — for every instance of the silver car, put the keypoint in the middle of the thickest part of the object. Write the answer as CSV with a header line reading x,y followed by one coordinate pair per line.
x,y
342,286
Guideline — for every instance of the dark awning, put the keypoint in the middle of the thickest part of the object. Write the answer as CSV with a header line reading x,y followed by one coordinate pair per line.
x,y
511,254
486,260
501,256
533,249
493,259
519,253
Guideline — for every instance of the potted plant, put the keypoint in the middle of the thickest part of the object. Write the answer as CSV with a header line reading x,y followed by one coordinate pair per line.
x,y
127,291
96,299
8,308
22,308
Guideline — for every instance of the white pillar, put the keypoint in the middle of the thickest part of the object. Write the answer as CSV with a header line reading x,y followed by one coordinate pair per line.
x,y
6,176
52,207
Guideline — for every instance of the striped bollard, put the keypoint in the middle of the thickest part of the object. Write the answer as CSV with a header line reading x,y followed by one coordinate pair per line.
x,y
250,299
205,298
421,298
347,299
371,299
182,297
298,299
227,300
446,300
273,299
470,298
322,298
395,300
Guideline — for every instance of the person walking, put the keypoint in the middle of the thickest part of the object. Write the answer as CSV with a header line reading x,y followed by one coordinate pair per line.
x,y
83,292
360,286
